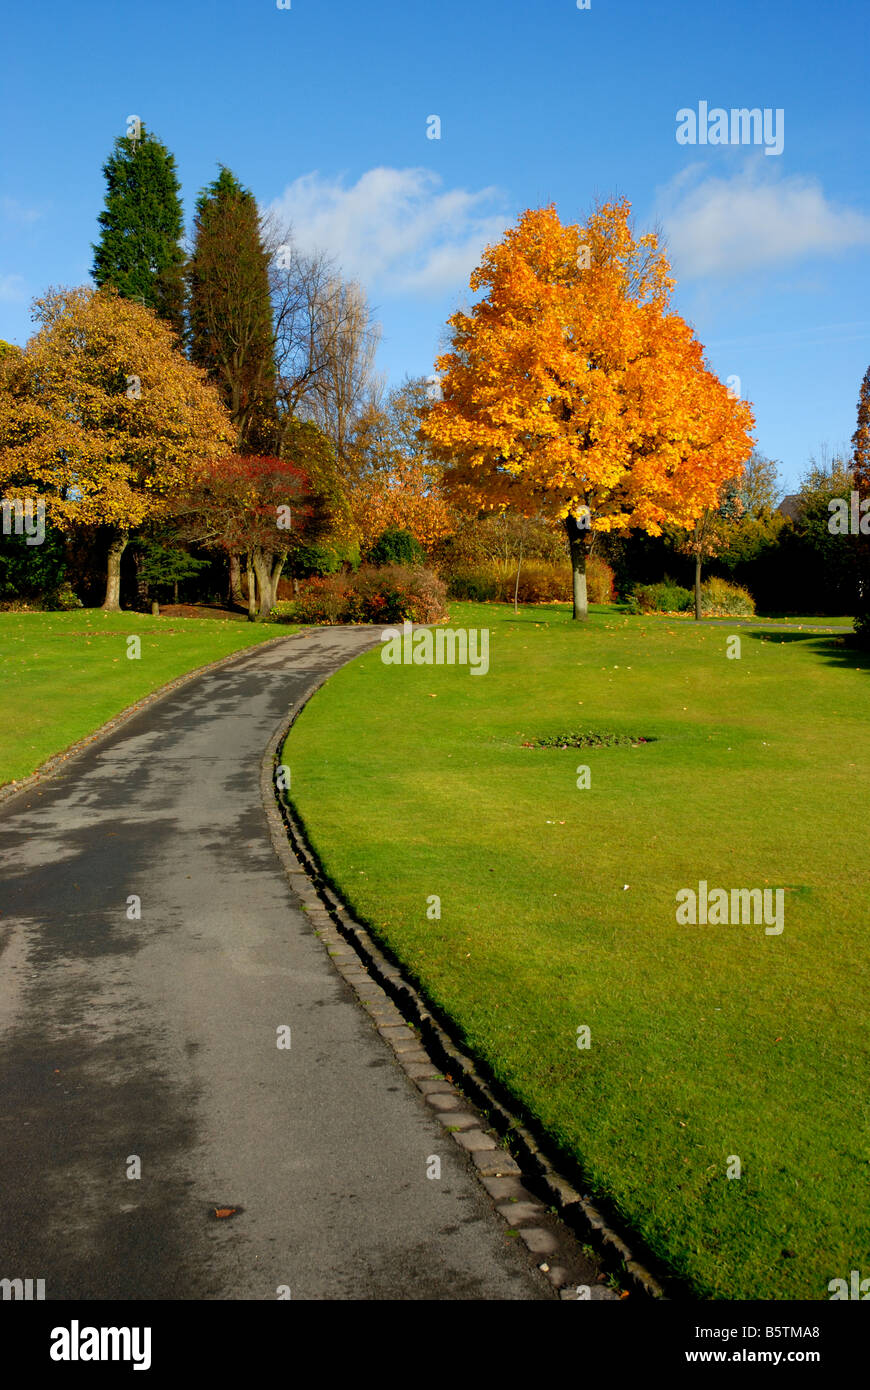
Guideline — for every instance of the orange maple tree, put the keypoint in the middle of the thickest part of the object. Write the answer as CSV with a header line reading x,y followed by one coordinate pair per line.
x,y
572,390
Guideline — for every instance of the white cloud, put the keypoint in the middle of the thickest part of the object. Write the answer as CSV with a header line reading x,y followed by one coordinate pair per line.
x,y
16,212
727,226
397,229
12,289
816,335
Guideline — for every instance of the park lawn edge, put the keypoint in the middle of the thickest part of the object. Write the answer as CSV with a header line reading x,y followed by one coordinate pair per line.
x,y
336,851
62,755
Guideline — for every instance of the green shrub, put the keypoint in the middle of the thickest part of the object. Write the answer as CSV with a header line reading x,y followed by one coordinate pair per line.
x,y
31,571
664,597
473,584
395,547
62,599
719,598
308,560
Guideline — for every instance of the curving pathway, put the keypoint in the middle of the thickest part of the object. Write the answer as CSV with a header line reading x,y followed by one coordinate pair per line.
x,y
154,1038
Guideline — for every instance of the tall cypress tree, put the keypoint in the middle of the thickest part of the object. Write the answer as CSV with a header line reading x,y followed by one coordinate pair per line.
x,y
230,309
139,251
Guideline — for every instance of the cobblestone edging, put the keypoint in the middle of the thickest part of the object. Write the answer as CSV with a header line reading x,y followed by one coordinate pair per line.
x,y
59,761
524,1184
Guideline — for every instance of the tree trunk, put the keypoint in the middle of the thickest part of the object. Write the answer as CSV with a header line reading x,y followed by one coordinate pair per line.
x,y
175,592
579,544
142,592
517,585
235,591
117,546
267,566
261,570
699,538
252,589
275,577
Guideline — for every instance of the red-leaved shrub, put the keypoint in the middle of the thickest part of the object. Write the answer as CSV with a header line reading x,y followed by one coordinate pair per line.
x,y
387,594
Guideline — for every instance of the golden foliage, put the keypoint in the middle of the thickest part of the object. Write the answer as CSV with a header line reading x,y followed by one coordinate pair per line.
x,y
392,480
570,384
405,498
102,415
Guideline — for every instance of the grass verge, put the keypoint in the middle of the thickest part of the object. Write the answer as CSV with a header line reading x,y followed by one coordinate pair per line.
x,y
558,910
62,675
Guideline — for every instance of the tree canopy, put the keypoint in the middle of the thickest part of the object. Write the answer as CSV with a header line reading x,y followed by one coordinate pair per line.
x,y
139,252
104,418
571,387
230,308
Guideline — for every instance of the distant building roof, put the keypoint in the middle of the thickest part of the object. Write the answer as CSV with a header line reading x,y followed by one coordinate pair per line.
x,y
790,506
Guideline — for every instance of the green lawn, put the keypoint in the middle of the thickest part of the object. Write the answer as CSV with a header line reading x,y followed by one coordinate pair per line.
x,y
62,675
809,619
558,910
763,619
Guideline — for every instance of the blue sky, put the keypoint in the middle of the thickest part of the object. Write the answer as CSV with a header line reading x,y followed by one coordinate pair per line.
x,y
321,109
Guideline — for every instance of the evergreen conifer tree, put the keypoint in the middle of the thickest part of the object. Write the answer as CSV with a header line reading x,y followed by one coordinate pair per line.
x,y
139,251
230,309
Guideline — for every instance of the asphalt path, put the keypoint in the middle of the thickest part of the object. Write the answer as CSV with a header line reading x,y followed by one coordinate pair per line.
x,y
154,1038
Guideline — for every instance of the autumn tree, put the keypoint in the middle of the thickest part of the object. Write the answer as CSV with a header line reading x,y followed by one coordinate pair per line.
x,y
230,310
394,482
759,489
139,252
25,569
343,383
712,533
259,507
572,389
861,438
105,419
312,323
310,451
